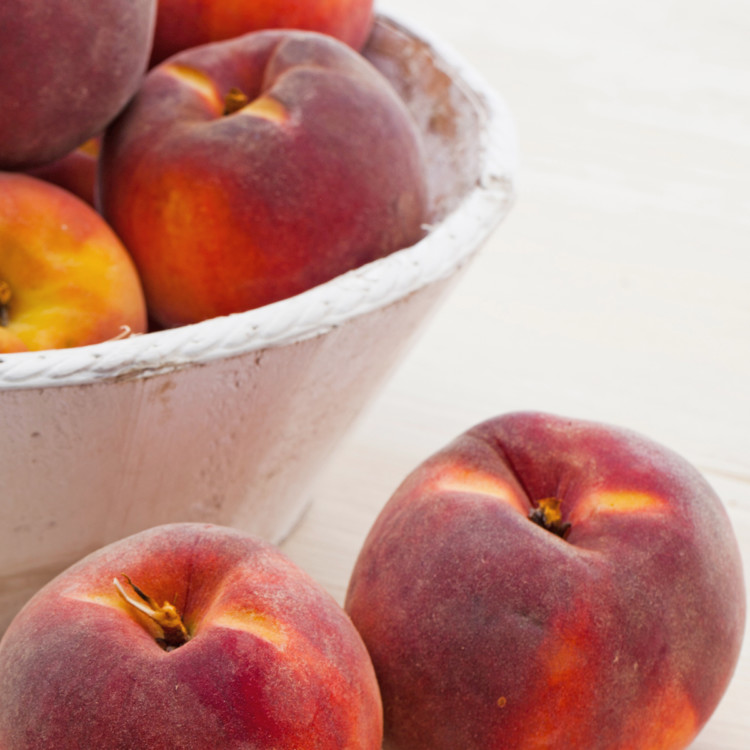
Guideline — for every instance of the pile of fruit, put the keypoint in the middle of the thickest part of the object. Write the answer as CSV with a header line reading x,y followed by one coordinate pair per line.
x,y
540,583
226,161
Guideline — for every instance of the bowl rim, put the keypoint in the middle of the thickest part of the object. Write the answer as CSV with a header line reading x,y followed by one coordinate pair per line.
x,y
447,246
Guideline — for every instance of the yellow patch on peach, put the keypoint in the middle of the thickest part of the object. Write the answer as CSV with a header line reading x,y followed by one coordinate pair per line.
x,y
562,688
67,279
197,81
459,479
91,147
256,623
669,720
103,598
9,342
562,661
615,501
42,300
113,600
267,108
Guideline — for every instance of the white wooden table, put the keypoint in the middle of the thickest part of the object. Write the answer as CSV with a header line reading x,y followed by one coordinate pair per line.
x,y
619,287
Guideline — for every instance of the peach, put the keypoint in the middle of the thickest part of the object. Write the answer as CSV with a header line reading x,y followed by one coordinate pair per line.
x,y
67,69
181,24
76,171
65,278
186,636
249,170
553,583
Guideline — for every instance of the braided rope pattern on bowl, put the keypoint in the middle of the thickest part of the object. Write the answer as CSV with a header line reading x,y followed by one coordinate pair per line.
x,y
448,245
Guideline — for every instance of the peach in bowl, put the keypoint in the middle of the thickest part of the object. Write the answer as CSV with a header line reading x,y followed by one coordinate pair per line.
x,y
229,419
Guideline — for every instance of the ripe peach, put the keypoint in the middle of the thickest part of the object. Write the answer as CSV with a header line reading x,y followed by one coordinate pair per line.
x,y
186,636
76,171
249,170
181,24
550,583
65,278
67,69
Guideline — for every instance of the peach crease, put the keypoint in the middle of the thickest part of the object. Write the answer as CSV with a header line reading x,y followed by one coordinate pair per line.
x,y
259,624
267,108
113,600
104,599
615,501
196,80
469,480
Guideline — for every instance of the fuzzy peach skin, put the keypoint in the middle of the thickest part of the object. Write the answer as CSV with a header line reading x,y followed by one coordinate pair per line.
x,y
76,171
317,168
492,631
181,24
65,278
67,69
271,661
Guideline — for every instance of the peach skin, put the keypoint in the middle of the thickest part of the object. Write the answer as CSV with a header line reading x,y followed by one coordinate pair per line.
x,y
545,583
65,278
182,24
188,637
250,170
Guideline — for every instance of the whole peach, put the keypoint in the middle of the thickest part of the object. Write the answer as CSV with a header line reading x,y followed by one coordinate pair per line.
x,y
187,637
553,583
67,69
65,278
181,24
249,170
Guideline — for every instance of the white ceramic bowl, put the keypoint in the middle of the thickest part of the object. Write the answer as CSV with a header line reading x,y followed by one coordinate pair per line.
x,y
228,420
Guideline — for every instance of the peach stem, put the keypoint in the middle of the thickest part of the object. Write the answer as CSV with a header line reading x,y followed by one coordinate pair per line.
x,y
174,632
234,101
548,515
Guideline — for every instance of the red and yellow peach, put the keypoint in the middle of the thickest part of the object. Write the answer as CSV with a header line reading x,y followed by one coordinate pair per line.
x,y
250,170
65,278
187,636
549,583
